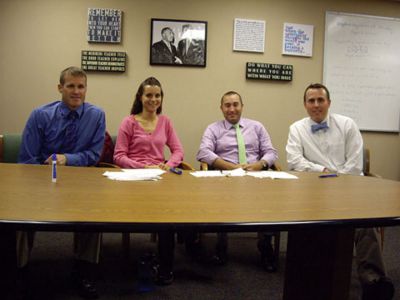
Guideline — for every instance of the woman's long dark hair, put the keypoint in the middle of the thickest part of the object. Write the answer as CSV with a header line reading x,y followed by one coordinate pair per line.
x,y
137,106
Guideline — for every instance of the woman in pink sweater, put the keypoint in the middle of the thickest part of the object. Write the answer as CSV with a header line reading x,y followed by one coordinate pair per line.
x,y
141,139
143,135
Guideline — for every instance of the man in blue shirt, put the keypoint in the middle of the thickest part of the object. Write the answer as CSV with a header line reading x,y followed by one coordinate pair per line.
x,y
73,130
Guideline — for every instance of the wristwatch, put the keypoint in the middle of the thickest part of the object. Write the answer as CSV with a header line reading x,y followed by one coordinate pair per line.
x,y
264,165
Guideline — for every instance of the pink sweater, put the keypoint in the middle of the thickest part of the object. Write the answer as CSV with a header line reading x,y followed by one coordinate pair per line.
x,y
136,148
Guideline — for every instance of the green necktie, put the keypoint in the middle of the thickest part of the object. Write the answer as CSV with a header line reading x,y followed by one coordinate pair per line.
x,y
241,146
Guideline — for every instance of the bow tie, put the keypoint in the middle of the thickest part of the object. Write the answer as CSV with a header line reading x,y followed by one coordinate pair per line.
x,y
316,127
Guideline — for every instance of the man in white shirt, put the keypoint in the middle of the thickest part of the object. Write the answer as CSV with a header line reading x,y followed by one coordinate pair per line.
x,y
325,142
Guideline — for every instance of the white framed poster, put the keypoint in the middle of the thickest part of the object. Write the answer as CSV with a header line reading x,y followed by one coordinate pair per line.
x,y
297,39
249,35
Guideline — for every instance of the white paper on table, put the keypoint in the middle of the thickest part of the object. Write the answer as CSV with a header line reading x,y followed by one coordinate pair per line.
x,y
134,176
272,175
214,173
234,173
240,172
145,172
207,174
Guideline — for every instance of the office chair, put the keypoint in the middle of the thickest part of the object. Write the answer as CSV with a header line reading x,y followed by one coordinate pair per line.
x,y
9,147
222,236
366,171
106,161
9,151
106,156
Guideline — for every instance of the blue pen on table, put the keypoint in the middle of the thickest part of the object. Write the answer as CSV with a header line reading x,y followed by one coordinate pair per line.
x,y
176,171
328,175
54,167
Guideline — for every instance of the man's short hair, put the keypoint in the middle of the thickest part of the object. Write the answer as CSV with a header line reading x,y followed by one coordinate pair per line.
x,y
317,86
186,26
72,71
231,93
165,29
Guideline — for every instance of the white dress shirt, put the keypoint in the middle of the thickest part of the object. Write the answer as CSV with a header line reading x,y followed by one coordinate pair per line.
x,y
338,148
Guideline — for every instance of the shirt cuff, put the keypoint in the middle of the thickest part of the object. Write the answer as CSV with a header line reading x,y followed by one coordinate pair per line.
x,y
318,168
210,159
71,159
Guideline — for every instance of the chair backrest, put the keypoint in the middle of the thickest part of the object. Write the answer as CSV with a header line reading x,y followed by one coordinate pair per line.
x,y
186,166
367,172
11,143
108,150
106,157
366,169
9,147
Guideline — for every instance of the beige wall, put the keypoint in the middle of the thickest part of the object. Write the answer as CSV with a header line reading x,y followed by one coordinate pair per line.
x,y
41,37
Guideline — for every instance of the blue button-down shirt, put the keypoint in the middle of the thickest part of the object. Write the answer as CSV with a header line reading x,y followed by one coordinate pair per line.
x,y
45,129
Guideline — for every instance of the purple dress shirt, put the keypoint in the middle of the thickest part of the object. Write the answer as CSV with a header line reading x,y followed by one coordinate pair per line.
x,y
219,141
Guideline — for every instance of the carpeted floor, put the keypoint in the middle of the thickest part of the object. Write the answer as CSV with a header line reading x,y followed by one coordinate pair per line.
x,y
241,278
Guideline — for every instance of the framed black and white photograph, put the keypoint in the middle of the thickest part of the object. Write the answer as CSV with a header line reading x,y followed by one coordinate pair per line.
x,y
178,42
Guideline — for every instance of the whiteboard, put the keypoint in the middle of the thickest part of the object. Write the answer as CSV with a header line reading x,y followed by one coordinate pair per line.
x,y
362,69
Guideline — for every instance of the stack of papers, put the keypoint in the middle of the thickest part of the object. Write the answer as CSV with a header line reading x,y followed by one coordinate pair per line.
x,y
272,175
227,173
240,172
135,174
207,174
237,172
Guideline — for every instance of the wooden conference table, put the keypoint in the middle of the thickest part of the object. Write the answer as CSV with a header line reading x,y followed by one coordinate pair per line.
x,y
320,214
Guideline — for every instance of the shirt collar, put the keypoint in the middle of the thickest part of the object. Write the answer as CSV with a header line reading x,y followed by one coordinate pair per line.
x,y
325,120
168,44
65,110
228,125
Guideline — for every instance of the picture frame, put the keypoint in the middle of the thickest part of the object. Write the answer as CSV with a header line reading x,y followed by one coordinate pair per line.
x,y
297,39
180,43
104,25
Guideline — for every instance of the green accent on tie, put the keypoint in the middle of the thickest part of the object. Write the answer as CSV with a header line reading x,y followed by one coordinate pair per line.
x,y
241,146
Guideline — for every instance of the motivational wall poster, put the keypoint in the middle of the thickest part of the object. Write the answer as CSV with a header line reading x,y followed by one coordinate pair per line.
x,y
104,25
103,61
297,39
249,35
267,71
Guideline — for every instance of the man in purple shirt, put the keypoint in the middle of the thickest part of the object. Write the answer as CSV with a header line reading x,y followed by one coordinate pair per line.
x,y
219,149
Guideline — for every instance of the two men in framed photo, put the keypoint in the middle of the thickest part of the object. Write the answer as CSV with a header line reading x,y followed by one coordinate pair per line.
x,y
188,49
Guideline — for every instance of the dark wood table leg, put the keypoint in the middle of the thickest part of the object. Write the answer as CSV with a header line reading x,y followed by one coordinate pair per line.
x,y
318,264
8,269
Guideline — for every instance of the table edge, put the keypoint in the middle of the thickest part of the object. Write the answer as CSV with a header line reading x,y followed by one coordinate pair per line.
x,y
203,226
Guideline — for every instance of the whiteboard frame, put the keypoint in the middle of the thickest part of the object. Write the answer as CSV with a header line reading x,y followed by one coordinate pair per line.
x,y
325,55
